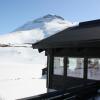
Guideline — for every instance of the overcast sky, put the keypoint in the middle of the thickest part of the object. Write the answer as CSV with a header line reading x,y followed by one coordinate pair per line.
x,y
14,13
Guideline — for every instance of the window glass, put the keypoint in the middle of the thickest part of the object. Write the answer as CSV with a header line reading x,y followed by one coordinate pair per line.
x,y
58,65
75,67
94,68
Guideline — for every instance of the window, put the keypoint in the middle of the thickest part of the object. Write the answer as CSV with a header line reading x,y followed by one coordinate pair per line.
x,y
94,68
75,67
58,65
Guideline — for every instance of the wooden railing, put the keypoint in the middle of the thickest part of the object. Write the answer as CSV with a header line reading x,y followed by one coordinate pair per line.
x,y
81,92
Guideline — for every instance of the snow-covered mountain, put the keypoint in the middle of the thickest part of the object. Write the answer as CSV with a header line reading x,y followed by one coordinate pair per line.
x,y
35,30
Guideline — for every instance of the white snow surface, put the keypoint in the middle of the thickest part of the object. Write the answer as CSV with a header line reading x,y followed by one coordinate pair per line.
x,y
17,89
20,65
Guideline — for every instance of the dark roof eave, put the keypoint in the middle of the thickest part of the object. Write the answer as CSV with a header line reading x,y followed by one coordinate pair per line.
x,y
78,36
75,44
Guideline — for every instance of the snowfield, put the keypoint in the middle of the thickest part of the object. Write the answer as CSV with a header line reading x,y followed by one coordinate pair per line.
x,y
16,89
22,55
21,72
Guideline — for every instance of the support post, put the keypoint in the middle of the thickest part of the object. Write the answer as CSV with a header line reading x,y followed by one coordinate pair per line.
x,y
85,69
65,66
65,70
50,69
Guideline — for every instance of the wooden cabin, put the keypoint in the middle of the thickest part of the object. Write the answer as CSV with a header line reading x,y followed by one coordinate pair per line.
x,y
73,55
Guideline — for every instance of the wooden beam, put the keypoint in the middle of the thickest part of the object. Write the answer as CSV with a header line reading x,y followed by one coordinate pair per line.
x,y
78,52
50,64
85,73
47,82
65,65
65,70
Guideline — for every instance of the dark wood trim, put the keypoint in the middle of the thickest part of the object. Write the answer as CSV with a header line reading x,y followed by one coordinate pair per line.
x,y
65,66
50,68
47,73
78,52
85,73
65,70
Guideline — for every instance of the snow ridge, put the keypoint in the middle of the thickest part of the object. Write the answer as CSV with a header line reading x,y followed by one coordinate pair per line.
x,y
38,23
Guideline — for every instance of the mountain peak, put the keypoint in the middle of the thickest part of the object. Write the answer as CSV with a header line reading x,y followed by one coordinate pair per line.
x,y
53,16
39,22
48,15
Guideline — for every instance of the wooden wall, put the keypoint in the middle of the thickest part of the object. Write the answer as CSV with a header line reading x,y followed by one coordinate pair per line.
x,y
59,83
62,82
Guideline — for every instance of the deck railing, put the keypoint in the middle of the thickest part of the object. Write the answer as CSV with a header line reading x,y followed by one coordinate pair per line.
x,y
81,92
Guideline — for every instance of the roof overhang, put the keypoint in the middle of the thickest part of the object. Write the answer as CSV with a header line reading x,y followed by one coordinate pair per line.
x,y
77,36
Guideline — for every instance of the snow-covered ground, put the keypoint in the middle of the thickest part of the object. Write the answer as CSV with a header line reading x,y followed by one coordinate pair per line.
x,y
16,89
21,55
20,72
19,77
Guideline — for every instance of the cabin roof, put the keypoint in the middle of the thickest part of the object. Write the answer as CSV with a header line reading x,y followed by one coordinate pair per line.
x,y
86,34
